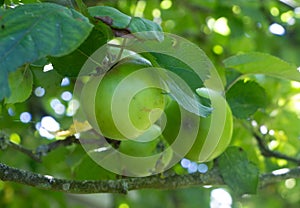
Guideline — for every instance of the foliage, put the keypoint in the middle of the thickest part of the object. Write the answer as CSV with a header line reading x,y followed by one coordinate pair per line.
x,y
252,44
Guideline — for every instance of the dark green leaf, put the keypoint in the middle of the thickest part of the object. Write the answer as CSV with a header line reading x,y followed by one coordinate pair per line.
x,y
1,2
20,83
180,68
49,80
245,98
178,90
231,76
89,169
71,64
33,31
238,173
260,63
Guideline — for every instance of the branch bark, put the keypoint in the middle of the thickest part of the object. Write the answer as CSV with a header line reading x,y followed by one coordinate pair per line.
x,y
47,182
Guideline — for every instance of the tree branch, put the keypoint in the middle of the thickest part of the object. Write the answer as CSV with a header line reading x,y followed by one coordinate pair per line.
x,y
41,150
47,182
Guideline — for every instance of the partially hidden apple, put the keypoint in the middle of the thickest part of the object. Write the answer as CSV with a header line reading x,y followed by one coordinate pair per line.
x,y
214,133
146,155
124,102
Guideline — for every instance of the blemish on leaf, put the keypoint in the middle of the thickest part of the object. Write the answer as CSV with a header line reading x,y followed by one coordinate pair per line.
x,y
106,19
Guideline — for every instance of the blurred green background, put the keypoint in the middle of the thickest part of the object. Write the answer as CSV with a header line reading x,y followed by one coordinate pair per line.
x,y
221,29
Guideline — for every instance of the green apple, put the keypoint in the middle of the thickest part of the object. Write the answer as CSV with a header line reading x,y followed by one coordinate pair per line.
x,y
214,133
142,156
124,102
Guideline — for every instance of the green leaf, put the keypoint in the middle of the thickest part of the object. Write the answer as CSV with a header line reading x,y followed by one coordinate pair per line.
x,y
20,83
145,29
231,76
33,31
180,68
49,80
71,64
261,63
245,98
179,91
181,79
140,27
238,172
89,169
110,16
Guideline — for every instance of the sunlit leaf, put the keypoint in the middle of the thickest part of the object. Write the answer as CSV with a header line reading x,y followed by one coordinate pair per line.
x,y
20,83
76,127
149,29
261,63
33,31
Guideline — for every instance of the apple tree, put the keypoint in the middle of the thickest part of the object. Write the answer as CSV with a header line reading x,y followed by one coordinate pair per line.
x,y
107,103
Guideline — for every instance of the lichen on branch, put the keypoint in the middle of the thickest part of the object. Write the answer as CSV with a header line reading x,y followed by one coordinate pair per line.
x,y
212,177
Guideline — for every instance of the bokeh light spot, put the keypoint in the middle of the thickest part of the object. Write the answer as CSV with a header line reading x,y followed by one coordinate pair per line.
x,y
15,138
66,96
25,117
274,11
166,4
47,127
217,49
123,205
156,13
72,107
48,67
276,29
202,168
39,91
236,9
50,124
65,82
221,26
11,111
290,183
263,129
220,198
193,167
185,163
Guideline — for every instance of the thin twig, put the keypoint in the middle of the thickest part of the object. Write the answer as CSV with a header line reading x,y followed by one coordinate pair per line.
x,y
25,151
43,149
264,149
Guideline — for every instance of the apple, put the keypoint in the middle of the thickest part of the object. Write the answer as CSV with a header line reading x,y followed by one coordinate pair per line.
x,y
125,101
144,157
213,136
